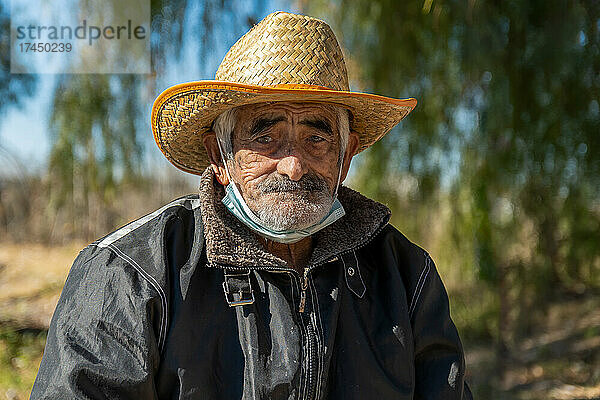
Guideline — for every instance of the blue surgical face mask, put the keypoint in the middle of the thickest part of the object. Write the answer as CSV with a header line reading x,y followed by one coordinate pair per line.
x,y
236,204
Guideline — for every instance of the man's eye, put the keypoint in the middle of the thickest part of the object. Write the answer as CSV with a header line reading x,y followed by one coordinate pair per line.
x,y
264,139
316,139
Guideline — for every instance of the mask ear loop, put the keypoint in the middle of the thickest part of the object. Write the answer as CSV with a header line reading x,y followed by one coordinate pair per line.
x,y
224,161
342,157
341,166
232,183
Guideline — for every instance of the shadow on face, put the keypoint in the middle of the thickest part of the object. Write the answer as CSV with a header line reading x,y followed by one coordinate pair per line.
x,y
286,161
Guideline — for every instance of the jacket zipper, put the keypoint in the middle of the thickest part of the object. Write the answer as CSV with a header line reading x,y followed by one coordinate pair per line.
x,y
310,332
312,360
310,337
304,286
312,357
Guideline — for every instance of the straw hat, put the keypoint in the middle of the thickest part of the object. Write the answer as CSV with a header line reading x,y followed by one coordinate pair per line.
x,y
285,57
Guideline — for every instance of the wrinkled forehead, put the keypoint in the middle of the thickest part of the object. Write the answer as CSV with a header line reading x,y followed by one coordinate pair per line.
x,y
289,111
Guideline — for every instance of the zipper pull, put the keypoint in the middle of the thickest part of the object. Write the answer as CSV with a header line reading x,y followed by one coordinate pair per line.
x,y
303,292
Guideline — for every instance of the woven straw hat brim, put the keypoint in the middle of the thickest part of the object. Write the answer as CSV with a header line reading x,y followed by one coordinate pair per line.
x,y
183,113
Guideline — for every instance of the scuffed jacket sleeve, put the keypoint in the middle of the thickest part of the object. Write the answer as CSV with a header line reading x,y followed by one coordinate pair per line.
x,y
102,340
439,357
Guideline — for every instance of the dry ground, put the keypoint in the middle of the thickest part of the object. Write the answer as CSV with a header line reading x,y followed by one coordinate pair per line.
x,y
560,361
31,278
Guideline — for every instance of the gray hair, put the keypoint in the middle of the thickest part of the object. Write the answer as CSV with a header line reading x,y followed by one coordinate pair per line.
x,y
225,123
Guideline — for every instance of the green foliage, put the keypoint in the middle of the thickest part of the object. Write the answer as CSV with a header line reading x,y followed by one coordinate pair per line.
x,y
20,355
96,119
506,127
14,88
95,134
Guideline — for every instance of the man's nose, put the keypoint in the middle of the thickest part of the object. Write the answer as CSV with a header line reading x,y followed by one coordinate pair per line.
x,y
292,166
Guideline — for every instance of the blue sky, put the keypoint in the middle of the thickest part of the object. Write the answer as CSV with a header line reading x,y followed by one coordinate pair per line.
x,y
24,128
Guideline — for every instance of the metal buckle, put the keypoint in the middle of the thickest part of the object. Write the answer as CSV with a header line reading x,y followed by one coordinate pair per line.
x,y
240,297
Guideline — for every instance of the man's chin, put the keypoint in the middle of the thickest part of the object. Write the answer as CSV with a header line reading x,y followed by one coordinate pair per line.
x,y
292,215
280,198
290,225
291,210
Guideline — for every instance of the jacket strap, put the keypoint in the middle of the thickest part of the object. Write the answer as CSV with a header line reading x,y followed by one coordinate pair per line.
x,y
352,273
237,287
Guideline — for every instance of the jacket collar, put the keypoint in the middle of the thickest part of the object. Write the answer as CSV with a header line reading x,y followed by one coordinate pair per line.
x,y
230,242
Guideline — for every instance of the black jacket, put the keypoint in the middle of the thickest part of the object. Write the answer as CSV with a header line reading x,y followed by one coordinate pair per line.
x,y
184,303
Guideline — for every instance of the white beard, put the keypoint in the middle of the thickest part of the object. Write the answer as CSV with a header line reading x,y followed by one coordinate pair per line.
x,y
293,211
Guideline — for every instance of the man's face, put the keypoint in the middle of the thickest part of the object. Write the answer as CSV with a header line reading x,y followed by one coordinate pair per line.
x,y
286,161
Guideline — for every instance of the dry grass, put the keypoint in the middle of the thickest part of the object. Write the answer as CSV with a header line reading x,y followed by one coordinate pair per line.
x,y
31,278
560,360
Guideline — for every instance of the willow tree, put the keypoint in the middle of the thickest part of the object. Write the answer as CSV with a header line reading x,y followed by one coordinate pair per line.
x,y
14,88
96,119
506,128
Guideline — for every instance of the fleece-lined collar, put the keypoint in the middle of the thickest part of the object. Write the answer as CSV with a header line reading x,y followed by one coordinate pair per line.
x,y
230,242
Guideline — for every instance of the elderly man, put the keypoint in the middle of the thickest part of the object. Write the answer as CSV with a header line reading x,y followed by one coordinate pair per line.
x,y
274,281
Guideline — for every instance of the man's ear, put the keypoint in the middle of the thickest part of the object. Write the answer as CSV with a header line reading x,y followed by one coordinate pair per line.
x,y
351,150
214,155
